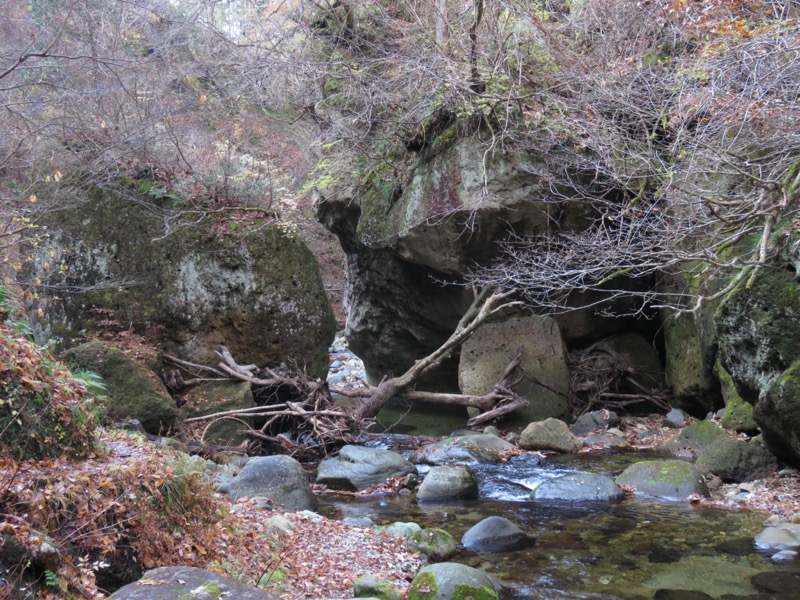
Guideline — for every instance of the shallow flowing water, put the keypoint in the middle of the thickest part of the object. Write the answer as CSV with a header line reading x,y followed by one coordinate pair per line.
x,y
628,550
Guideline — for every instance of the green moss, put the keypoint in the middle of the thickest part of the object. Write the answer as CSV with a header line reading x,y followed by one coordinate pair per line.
x,y
181,286
424,587
463,591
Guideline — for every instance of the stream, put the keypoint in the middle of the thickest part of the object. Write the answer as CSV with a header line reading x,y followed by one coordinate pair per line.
x,y
630,549
637,548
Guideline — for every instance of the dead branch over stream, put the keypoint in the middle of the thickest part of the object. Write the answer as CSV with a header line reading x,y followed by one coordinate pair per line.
x,y
299,416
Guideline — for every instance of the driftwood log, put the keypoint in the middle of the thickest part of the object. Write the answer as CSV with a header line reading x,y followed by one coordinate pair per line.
x,y
305,420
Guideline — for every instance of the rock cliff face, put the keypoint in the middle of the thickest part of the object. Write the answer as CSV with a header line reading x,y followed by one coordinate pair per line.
x,y
759,328
255,290
403,241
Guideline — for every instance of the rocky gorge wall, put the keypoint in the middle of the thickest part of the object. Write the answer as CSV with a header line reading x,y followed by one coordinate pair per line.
x,y
403,240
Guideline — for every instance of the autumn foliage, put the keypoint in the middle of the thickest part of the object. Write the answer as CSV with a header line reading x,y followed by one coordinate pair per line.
x,y
44,412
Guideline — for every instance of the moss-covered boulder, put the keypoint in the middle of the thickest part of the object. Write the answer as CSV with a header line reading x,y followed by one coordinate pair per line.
x,y
134,390
690,343
759,345
370,586
737,460
694,438
667,479
215,397
254,288
451,581
436,544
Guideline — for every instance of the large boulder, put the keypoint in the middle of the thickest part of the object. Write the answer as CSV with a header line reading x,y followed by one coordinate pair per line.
x,y
134,390
256,290
694,438
478,447
404,230
179,583
436,544
543,364
594,420
451,581
781,536
579,487
759,345
738,413
280,478
736,460
450,482
359,467
690,345
666,479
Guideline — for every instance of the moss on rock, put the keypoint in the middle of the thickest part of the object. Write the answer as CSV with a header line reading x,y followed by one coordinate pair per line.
x,y
134,390
738,413
256,290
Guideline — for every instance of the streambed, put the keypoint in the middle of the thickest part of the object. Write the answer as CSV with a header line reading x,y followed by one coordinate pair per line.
x,y
629,549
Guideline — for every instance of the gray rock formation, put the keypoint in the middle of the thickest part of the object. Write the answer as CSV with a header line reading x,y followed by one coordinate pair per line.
x,y
370,586
403,236
736,460
359,467
591,421
782,536
574,487
545,381
449,482
694,438
550,434
178,583
667,479
436,544
280,478
259,292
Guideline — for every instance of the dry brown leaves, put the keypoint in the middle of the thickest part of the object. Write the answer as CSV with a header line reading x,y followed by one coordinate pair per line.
x,y
323,558
133,491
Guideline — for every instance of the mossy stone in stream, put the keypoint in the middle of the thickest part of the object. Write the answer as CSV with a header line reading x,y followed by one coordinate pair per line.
x,y
436,544
668,479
